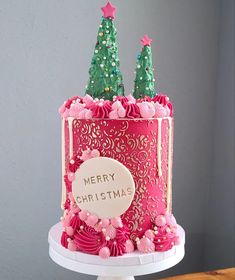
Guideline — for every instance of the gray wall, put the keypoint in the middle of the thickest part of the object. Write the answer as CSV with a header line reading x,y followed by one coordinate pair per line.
x,y
45,52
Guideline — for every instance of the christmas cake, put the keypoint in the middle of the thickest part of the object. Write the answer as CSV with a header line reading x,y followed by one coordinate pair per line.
x,y
117,157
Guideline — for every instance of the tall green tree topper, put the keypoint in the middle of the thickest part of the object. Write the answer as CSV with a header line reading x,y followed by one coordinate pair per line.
x,y
105,78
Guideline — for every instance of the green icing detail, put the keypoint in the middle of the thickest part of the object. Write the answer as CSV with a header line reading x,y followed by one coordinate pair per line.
x,y
144,80
105,79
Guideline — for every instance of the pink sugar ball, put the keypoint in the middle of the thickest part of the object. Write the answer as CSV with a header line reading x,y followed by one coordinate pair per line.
x,y
70,231
67,220
129,246
72,246
83,215
95,153
160,221
110,232
145,245
117,222
149,234
92,220
170,220
104,253
104,222
71,176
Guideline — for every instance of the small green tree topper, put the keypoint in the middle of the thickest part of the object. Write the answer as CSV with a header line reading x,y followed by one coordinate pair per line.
x,y
144,80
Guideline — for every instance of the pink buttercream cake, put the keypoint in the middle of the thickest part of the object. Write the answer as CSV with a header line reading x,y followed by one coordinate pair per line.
x,y
110,213
144,146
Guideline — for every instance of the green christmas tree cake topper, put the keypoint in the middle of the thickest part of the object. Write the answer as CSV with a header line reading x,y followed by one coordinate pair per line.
x,y
105,78
144,80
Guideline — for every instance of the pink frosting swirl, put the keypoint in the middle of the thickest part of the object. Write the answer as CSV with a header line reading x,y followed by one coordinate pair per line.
x,y
71,100
67,204
165,239
164,101
123,234
101,110
116,247
74,163
76,222
122,99
64,239
88,240
132,111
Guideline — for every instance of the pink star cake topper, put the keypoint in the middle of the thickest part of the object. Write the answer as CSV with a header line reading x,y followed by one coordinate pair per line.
x,y
146,41
109,10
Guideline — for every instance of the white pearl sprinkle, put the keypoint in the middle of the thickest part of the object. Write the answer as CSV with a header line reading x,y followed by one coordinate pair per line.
x,y
96,51
101,65
104,42
113,63
107,238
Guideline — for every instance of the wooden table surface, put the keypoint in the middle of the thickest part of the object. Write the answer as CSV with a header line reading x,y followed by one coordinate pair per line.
x,y
223,274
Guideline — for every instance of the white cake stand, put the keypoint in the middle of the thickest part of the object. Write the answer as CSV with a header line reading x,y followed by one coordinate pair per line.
x,y
115,268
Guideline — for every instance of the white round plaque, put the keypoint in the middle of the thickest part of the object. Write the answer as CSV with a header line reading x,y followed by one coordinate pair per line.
x,y
103,186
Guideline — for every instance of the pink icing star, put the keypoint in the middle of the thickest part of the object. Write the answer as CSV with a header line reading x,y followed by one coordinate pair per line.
x,y
146,41
109,10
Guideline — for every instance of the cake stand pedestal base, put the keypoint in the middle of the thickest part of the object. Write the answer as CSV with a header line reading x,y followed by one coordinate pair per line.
x,y
114,268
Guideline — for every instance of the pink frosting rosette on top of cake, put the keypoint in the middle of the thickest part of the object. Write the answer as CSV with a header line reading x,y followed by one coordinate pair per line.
x,y
164,100
101,109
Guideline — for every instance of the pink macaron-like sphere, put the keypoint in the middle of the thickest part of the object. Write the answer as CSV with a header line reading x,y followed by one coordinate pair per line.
x,y
70,231
104,222
129,246
160,221
145,245
116,222
83,215
72,246
104,253
149,234
92,220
